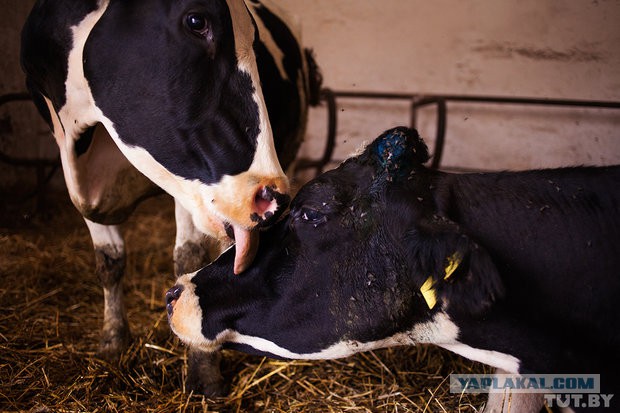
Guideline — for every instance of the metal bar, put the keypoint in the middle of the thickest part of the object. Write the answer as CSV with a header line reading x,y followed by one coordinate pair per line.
x,y
441,133
332,125
413,113
419,100
429,99
40,165
12,97
373,95
426,99
24,162
12,160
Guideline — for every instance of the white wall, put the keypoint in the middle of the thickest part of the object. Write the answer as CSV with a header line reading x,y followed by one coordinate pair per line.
x,y
551,48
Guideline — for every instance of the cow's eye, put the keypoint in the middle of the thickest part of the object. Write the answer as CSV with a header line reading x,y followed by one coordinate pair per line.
x,y
312,216
197,23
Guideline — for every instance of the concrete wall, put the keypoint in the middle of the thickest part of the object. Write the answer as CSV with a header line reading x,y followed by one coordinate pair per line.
x,y
550,48
22,132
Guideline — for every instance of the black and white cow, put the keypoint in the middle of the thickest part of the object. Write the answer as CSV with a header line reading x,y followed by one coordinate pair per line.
x,y
206,99
518,270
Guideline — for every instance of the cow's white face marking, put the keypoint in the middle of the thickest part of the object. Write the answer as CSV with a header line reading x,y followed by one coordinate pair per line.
x,y
188,310
211,204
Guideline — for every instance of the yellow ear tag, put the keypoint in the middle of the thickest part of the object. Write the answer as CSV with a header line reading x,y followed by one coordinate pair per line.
x,y
428,292
453,263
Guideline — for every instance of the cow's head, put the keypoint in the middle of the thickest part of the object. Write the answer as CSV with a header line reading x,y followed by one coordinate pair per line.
x,y
363,260
176,85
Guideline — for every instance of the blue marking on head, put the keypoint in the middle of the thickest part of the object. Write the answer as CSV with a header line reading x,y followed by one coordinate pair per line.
x,y
391,148
398,151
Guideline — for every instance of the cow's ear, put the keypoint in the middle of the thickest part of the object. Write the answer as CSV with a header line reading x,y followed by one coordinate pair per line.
x,y
397,152
452,269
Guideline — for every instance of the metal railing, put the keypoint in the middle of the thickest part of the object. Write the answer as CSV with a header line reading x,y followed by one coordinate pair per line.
x,y
44,168
417,101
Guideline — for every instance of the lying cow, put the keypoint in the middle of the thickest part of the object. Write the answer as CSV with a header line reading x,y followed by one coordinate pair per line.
x,y
518,270
206,99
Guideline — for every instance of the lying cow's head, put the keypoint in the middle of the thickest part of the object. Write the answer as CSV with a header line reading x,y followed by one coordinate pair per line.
x,y
176,85
362,261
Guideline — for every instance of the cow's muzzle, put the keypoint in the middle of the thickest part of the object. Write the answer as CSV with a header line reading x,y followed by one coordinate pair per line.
x,y
244,203
251,203
267,207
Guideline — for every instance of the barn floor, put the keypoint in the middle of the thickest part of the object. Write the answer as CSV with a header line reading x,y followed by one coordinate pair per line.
x,y
52,310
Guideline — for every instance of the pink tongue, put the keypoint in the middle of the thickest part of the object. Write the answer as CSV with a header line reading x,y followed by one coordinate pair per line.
x,y
246,245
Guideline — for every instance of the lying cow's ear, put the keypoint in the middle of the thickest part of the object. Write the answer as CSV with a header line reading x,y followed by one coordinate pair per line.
x,y
398,151
452,269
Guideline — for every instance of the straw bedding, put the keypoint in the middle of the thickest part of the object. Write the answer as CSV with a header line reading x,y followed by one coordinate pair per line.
x,y
51,312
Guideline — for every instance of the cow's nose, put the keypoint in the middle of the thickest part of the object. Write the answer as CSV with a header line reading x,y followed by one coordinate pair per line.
x,y
172,296
269,203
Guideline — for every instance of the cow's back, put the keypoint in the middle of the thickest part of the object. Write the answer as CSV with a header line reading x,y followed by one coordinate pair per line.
x,y
555,237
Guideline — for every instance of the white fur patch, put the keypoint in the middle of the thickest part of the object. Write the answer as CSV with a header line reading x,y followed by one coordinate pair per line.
x,y
79,111
267,39
502,361
186,319
265,159
440,331
105,235
440,328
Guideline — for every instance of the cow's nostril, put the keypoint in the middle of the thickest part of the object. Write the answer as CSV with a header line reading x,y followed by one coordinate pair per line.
x,y
268,202
263,200
172,296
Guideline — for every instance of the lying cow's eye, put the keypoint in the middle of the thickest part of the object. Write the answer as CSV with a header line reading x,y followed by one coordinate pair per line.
x,y
196,23
312,216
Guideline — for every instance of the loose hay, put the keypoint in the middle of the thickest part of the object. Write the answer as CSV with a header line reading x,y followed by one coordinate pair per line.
x,y
52,311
